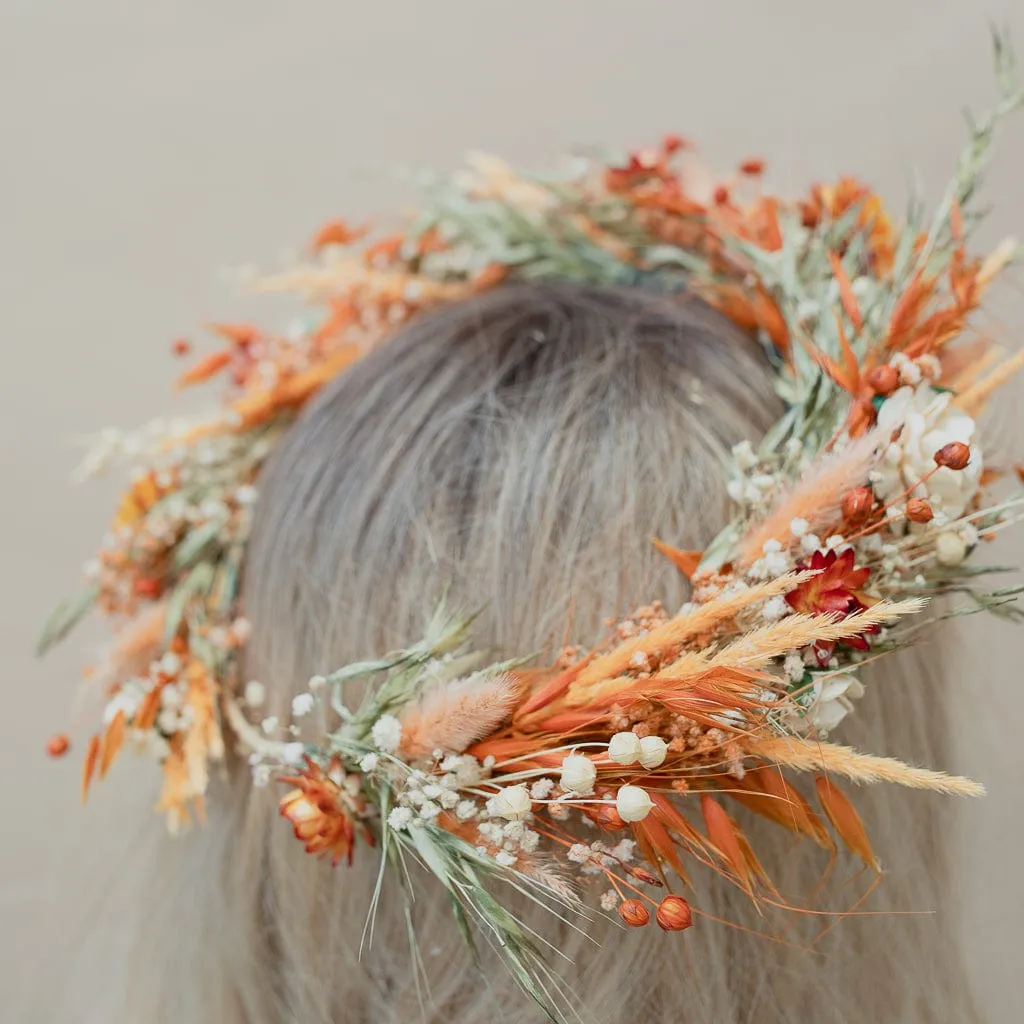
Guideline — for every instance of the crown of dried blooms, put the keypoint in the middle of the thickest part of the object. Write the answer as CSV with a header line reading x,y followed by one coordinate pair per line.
x,y
861,504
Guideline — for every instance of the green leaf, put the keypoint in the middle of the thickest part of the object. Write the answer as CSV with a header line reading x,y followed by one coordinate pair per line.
x,y
64,618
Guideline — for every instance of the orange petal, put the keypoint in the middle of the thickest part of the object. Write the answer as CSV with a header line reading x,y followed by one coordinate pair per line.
x,y
337,232
113,738
89,765
846,821
846,296
205,368
722,833
685,561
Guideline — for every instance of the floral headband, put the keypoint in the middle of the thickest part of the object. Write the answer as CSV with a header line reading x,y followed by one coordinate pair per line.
x,y
869,498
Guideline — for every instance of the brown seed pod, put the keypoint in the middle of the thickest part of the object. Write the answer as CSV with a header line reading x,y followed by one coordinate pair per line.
x,y
919,511
857,504
674,914
645,876
883,380
634,913
954,455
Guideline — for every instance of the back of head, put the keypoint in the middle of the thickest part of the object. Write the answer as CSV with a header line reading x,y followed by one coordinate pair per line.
x,y
511,455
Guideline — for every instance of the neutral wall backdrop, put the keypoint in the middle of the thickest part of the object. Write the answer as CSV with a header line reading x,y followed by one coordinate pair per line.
x,y
146,146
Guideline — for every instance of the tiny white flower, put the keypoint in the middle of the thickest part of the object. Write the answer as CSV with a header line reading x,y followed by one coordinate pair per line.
x,y
950,548
429,810
529,841
368,763
255,694
170,664
653,751
624,748
260,775
511,802
798,527
269,724
449,798
794,667
317,683
625,849
771,546
775,608
609,900
246,494
744,455
578,853
578,774
633,803
294,753
387,733
465,810
399,818
541,789
505,859
302,704
835,541
809,543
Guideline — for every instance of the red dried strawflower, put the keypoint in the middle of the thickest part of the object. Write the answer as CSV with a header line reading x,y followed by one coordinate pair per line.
x,y
674,914
836,590
634,913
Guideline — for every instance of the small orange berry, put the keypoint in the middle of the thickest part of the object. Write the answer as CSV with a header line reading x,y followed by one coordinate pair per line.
x,y
181,346
919,511
752,167
674,914
634,913
883,380
954,455
858,503
147,586
58,745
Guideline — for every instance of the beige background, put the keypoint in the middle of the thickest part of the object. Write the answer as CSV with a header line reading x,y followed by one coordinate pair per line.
x,y
146,145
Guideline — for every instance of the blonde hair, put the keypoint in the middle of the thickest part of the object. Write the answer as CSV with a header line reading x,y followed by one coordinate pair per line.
x,y
517,452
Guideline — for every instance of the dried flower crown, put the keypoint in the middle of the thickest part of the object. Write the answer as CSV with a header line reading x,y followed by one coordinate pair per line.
x,y
867,499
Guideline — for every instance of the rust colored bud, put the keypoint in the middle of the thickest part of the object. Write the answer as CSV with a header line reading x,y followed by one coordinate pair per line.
x,y
58,745
645,876
752,167
720,196
608,818
674,914
147,586
919,511
858,503
181,346
883,380
954,455
634,913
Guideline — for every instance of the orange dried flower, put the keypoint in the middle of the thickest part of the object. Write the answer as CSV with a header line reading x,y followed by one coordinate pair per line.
x,y
919,511
954,455
674,914
321,813
634,913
